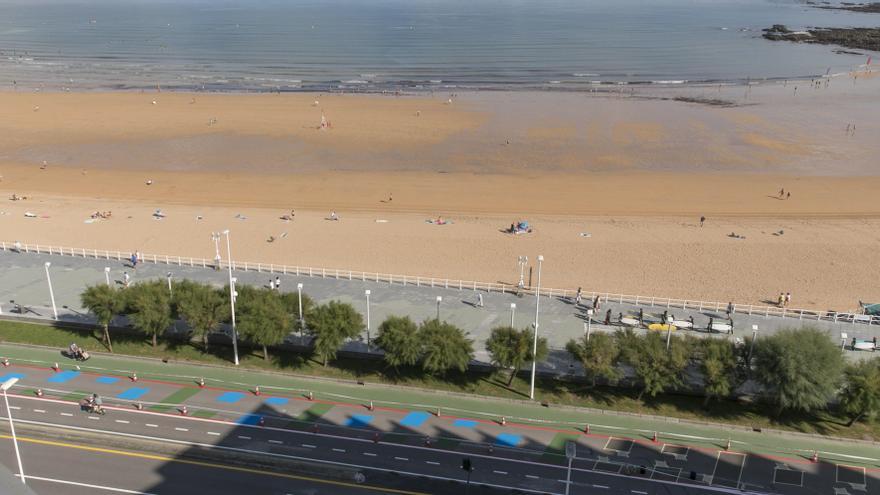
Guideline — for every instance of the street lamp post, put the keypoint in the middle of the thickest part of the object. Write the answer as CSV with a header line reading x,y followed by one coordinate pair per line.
x,y
170,292
367,293
299,292
535,343
215,236
589,323
4,387
522,260
512,313
754,337
232,297
107,275
439,300
51,292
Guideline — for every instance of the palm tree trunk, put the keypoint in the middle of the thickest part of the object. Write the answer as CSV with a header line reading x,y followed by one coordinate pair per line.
x,y
205,341
706,401
155,340
513,375
853,420
107,338
265,353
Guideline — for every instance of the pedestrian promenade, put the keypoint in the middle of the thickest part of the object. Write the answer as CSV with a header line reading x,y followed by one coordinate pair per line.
x,y
560,318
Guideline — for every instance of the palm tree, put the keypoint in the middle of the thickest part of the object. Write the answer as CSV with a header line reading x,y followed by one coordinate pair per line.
x,y
105,303
263,318
149,305
446,347
399,339
202,306
510,348
332,324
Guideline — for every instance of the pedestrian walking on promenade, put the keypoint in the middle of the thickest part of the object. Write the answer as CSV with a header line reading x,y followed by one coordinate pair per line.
x,y
125,279
278,283
134,260
596,303
730,308
271,284
480,299
608,317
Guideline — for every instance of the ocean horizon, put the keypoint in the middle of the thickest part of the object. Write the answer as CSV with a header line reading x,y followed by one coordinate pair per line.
x,y
379,45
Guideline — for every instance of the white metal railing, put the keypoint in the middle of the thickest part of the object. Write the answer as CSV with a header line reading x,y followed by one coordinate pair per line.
x,y
605,297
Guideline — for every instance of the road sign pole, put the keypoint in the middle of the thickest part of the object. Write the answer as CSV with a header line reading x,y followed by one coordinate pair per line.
x,y
570,453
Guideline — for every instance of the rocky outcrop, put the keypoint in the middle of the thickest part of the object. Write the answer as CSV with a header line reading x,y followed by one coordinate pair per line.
x,y
858,38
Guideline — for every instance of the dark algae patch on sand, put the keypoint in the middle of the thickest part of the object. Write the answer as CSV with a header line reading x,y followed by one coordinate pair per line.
x,y
869,8
858,38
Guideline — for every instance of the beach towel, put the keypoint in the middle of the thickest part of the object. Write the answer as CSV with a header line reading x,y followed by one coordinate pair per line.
x,y
30,215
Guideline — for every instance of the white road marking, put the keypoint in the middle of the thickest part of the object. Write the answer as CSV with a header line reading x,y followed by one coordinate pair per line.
x,y
244,437
432,463
370,454
339,450
639,492
309,446
123,421
714,489
401,459
86,485
40,411
214,433
14,408
500,472
532,476
182,429
279,442
600,486
66,414
94,417
151,425
562,481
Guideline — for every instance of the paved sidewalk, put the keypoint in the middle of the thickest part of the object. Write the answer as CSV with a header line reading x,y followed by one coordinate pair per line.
x,y
560,319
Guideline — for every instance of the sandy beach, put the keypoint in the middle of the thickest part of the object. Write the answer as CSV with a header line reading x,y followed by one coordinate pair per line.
x,y
634,171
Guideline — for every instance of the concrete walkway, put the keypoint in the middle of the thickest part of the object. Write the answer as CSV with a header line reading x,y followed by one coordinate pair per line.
x,y
560,318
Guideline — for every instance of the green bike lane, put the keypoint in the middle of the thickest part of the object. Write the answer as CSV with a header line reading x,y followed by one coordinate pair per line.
x,y
409,414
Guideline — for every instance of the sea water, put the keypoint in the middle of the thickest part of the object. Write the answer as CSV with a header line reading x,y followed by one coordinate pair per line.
x,y
377,45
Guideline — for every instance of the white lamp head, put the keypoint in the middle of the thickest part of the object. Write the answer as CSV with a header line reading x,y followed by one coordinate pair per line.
x,y
439,298
512,305
299,286
48,264
540,257
367,292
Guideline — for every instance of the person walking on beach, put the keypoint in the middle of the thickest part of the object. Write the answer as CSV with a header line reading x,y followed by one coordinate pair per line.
x,y
788,195
577,297
702,220
782,192
730,308
787,298
781,301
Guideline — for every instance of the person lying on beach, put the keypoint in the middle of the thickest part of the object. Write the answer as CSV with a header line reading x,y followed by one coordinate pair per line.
x,y
333,216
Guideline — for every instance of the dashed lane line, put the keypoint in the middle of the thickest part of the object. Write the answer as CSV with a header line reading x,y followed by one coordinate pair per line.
x,y
14,408
181,429
370,454
151,425
499,472
532,476
244,437
600,486
214,433
67,414
309,446
277,442
123,421
639,492
339,450
401,459
40,411
432,463
94,417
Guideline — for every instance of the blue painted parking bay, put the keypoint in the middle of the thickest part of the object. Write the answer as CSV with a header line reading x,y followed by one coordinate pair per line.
x,y
133,393
230,397
359,421
415,419
249,419
64,376
107,380
464,423
508,440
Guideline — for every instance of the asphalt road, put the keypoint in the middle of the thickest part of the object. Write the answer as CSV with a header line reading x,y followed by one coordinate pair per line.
x,y
418,469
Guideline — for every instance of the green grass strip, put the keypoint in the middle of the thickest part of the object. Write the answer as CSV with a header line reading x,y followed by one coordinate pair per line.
x,y
204,414
175,399
75,396
315,412
555,451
